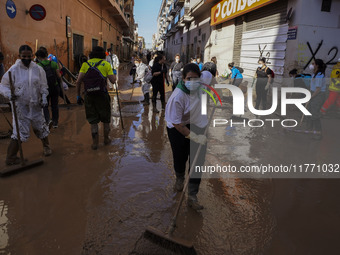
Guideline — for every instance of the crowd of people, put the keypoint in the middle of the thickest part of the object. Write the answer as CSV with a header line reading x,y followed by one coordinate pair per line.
x,y
38,83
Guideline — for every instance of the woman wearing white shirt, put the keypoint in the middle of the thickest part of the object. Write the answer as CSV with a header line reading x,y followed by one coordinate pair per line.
x,y
184,123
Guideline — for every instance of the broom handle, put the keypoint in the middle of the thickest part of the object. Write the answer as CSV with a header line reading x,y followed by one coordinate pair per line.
x,y
120,111
174,219
303,116
16,118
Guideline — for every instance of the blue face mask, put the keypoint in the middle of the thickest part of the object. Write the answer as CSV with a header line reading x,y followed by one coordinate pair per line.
x,y
193,84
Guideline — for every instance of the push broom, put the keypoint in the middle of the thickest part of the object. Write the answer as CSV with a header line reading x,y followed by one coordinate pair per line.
x,y
168,240
24,165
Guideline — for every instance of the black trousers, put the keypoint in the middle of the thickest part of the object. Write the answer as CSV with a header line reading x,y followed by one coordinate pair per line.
x,y
52,99
158,88
261,95
184,149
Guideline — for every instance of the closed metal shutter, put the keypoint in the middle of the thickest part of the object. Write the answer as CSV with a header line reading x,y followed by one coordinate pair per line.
x,y
265,30
238,40
271,15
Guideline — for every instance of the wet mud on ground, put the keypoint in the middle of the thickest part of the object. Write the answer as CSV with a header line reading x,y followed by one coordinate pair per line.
x,y
100,202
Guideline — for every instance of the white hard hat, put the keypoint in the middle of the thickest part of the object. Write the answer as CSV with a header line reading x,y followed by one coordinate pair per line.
x,y
206,77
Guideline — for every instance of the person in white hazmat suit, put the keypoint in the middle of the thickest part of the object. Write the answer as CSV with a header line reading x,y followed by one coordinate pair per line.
x,y
30,96
114,62
141,71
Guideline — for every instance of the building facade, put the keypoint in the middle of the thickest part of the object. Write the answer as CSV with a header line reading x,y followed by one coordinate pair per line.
x,y
286,32
76,26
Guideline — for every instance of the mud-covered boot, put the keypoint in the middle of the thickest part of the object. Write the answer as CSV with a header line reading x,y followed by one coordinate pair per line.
x,y
193,203
179,184
154,107
95,136
107,140
146,100
46,147
192,196
12,151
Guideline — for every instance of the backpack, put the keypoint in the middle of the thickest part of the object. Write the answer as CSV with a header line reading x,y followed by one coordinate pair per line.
x,y
51,76
240,69
148,76
94,81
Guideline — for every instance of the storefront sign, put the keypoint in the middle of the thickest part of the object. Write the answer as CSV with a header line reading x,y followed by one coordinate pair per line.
x,y
292,33
230,9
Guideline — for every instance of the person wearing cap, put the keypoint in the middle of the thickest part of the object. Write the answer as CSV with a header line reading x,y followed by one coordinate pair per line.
x,y
186,126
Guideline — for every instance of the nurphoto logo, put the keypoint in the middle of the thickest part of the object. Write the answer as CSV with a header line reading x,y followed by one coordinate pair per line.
x,y
239,105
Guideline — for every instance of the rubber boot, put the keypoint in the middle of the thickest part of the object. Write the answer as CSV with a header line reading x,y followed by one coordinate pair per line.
x,y
146,100
12,152
107,140
192,196
154,107
46,147
95,137
179,185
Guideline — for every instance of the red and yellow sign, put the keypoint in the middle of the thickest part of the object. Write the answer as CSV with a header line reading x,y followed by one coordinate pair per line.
x,y
230,9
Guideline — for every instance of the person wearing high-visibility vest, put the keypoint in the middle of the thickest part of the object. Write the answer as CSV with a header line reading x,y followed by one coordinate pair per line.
x,y
334,90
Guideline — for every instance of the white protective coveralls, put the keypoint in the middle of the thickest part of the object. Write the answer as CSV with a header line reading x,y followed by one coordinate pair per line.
x,y
114,62
30,87
141,70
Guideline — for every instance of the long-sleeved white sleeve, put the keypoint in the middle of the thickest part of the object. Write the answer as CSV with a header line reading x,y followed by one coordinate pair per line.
x,y
5,88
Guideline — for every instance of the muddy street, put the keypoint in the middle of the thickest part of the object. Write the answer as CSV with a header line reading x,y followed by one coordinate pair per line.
x,y
89,202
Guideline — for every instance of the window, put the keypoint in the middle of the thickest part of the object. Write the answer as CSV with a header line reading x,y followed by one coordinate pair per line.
x,y
105,46
111,46
199,32
204,37
94,43
78,45
326,5
195,39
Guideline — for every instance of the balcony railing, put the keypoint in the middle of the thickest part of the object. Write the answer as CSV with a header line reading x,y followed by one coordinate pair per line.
x,y
115,9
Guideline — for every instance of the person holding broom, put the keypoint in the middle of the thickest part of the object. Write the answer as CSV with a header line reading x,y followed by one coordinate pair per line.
x,y
30,94
94,73
185,123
